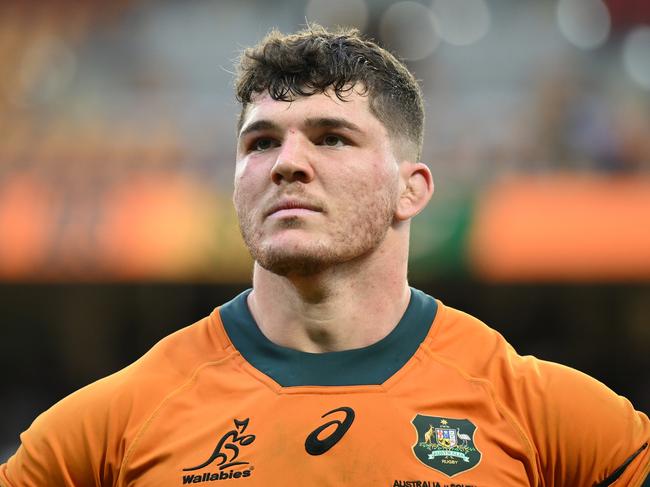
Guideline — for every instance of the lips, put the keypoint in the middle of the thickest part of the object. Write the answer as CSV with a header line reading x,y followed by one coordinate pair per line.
x,y
291,204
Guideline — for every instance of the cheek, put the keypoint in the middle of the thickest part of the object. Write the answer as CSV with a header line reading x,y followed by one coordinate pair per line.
x,y
357,198
368,182
247,185
363,170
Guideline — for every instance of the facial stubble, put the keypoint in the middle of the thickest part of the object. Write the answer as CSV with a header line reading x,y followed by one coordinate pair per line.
x,y
354,233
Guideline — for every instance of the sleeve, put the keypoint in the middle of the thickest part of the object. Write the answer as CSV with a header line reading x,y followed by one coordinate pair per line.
x,y
71,444
587,435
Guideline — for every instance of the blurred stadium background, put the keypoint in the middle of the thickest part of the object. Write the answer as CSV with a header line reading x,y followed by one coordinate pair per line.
x,y
117,124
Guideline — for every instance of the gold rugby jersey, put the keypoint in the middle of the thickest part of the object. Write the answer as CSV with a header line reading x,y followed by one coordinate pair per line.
x,y
442,401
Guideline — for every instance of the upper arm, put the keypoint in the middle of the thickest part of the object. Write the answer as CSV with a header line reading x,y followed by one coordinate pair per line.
x,y
43,458
56,448
79,441
586,434
616,474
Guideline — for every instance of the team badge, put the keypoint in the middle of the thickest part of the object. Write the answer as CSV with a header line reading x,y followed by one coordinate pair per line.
x,y
446,444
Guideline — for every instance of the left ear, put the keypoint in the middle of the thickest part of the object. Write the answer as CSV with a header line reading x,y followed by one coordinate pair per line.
x,y
416,189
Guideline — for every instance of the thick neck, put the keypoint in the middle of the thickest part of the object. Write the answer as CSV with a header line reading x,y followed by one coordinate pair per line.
x,y
351,305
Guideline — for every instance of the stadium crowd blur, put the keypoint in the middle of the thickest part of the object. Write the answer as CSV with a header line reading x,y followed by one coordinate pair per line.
x,y
117,125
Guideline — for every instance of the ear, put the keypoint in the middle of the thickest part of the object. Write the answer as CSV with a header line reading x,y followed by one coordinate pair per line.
x,y
416,189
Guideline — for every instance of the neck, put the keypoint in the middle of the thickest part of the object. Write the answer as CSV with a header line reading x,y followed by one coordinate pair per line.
x,y
348,306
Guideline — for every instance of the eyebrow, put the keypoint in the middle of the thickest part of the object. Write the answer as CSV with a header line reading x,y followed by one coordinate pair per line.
x,y
332,123
320,122
259,126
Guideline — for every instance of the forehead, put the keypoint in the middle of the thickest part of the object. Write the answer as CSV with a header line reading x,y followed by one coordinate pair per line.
x,y
354,107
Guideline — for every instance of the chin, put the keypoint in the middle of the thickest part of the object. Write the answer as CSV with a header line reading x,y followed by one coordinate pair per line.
x,y
301,268
301,263
299,254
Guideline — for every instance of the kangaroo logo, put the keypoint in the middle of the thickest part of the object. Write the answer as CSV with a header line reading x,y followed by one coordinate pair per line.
x,y
227,450
428,435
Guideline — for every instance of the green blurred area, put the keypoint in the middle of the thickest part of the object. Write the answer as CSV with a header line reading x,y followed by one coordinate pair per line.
x,y
439,237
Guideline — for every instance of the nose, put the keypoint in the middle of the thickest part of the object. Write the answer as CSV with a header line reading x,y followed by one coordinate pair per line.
x,y
293,163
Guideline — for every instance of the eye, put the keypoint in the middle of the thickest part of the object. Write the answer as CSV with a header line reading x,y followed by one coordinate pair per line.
x,y
262,144
332,140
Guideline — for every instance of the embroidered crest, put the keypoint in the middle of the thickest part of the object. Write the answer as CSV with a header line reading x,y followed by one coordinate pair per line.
x,y
446,444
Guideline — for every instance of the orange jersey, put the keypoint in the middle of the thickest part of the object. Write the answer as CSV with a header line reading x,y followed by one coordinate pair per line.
x,y
443,400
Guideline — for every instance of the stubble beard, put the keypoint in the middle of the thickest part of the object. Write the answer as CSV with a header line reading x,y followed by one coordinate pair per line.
x,y
358,236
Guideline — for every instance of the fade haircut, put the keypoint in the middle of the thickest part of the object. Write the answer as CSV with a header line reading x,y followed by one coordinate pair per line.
x,y
316,60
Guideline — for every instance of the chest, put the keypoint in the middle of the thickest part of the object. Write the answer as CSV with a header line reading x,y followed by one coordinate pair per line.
x,y
242,434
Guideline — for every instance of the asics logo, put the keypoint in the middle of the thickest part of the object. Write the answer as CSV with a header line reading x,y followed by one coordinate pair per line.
x,y
317,446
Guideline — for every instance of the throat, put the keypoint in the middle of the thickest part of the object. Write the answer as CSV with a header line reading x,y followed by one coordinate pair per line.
x,y
317,336
319,339
326,314
335,334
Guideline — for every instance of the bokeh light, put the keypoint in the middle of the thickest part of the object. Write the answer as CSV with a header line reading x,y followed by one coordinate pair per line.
x,y
584,23
636,56
332,13
409,28
461,22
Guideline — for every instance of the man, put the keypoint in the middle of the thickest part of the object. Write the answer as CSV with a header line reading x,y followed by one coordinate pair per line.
x,y
331,370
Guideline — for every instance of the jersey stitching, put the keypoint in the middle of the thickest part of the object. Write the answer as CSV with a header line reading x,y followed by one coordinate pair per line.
x,y
155,412
216,325
439,318
514,424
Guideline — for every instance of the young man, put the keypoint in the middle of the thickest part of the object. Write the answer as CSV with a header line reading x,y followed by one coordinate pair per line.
x,y
331,370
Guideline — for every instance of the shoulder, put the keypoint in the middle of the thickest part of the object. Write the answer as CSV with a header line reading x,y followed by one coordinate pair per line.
x,y
166,365
178,355
482,353
478,351
566,414
134,390
86,434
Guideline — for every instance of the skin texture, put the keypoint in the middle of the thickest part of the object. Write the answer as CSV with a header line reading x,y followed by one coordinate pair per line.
x,y
330,264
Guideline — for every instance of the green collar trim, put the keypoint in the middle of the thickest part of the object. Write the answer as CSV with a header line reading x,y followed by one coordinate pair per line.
x,y
370,365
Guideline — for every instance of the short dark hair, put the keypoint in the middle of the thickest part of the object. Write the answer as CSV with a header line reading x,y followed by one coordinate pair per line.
x,y
315,60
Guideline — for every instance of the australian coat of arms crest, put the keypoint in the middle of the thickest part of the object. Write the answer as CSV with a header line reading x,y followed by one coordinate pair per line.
x,y
446,444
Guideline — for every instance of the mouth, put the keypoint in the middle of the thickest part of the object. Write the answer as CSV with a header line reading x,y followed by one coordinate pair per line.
x,y
290,207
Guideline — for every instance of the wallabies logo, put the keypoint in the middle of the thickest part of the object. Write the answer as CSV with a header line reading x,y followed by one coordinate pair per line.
x,y
226,453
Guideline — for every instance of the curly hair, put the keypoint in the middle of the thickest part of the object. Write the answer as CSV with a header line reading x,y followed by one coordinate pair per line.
x,y
315,60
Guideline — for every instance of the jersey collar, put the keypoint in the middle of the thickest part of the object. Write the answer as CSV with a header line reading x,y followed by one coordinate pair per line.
x,y
371,365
